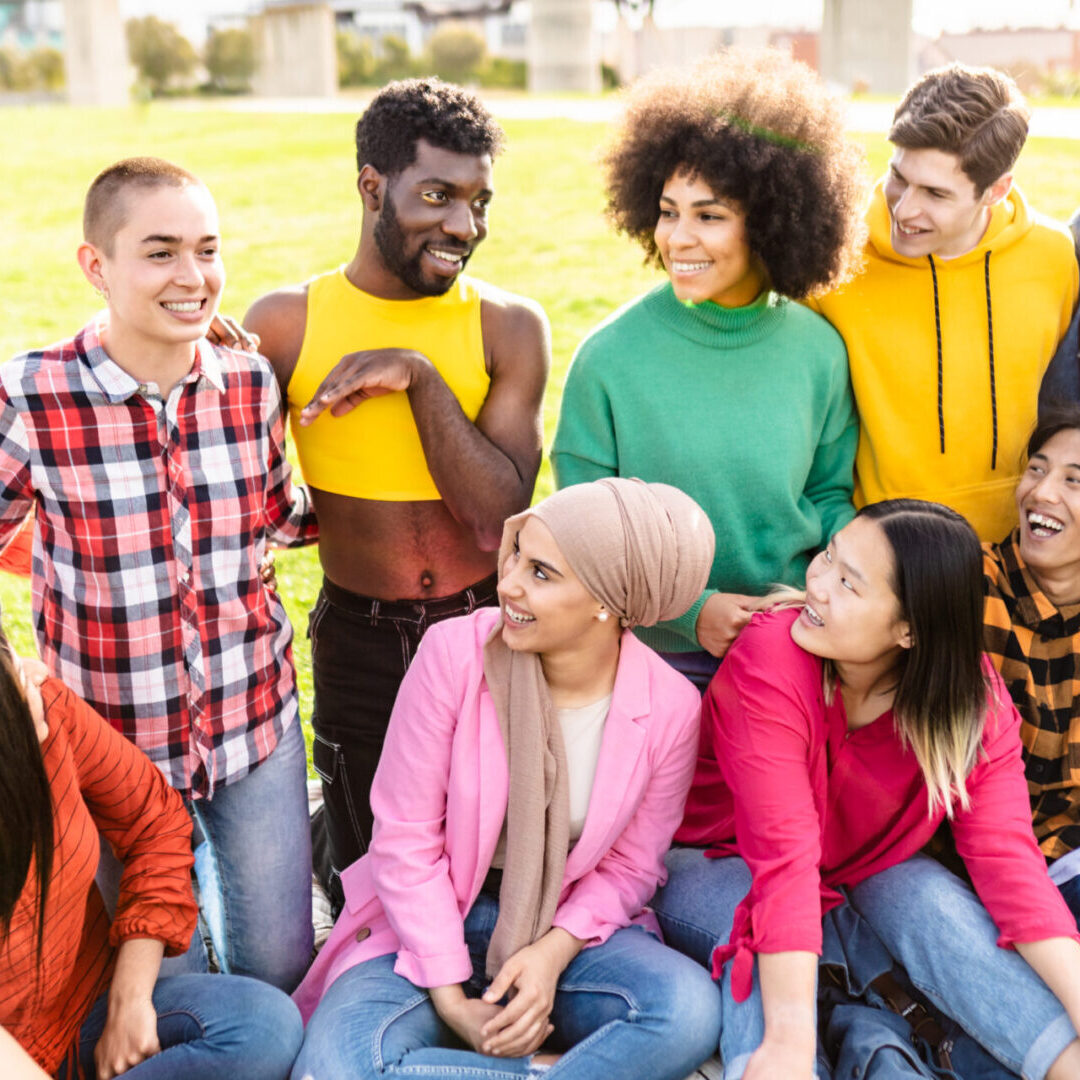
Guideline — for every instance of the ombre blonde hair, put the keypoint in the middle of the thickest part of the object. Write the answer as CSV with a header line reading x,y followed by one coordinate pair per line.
x,y
939,708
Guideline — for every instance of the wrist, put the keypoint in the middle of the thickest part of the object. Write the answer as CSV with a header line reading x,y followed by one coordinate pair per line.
x,y
420,369
447,998
792,1028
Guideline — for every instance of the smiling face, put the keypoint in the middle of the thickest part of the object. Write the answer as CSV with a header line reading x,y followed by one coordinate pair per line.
x,y
431,217
933,206
703,244
546,608
164,275
1048,499
852,614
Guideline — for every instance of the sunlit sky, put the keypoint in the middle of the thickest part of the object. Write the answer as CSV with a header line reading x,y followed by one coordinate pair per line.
x,y
930,17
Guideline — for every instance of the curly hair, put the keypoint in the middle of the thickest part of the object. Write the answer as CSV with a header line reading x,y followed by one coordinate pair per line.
x,y
440,113
978,114
758,129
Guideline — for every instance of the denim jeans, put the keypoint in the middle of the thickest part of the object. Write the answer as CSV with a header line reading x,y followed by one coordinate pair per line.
x,y
211,1027
361,648
939,932
696,909
931,923
630,1008
254,871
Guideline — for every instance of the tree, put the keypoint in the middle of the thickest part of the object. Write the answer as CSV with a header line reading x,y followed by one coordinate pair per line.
x,y
355,59
456,53
230,59
394,62
159,51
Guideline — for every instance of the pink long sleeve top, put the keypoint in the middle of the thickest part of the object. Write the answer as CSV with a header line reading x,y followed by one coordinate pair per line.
x,y
811,806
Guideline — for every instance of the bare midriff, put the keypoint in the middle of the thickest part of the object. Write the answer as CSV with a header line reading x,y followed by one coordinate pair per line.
x,y
397,550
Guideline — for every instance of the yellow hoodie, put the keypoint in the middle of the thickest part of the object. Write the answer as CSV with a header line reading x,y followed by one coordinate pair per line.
x,y
946,358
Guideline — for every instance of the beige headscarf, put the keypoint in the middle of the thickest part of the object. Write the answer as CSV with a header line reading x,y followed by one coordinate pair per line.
x,y
644,551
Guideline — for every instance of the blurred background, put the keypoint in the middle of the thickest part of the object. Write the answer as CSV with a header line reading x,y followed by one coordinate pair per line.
x,y
103,52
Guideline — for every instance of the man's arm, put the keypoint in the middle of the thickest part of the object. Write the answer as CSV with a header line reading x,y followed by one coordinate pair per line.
x,y
485,470
280,319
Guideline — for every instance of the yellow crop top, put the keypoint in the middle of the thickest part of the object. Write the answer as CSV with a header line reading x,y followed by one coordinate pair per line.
x,y
374,451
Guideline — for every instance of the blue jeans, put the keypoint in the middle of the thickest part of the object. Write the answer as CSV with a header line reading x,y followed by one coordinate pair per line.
x,y
254,871
939,932
630,1008
211,1027
696,909
932,924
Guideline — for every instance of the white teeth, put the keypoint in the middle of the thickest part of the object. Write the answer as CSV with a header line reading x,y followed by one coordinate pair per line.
x,y
907,230
447,256
689,267
813,616
182,305
515,617
1041,525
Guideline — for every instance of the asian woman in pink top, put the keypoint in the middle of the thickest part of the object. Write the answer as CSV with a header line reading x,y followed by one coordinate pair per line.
x,y
836,737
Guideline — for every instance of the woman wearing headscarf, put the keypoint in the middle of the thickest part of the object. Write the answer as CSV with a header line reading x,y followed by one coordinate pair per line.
x,y
535,768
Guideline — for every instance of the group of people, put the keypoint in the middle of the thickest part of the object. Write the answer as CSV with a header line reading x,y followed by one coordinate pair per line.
x,y
549,853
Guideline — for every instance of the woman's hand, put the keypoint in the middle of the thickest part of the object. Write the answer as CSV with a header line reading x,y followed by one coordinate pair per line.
x,y
130,1032
721,618
530,977
464,1015
129,1037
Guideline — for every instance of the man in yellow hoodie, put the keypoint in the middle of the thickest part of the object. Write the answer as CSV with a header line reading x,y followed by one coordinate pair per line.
x,y
965,295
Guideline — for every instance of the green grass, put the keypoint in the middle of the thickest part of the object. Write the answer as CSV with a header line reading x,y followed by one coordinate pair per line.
x,y
285,188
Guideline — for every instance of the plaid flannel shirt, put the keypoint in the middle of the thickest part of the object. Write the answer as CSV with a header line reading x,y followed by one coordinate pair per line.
x,y
1034,646
152,518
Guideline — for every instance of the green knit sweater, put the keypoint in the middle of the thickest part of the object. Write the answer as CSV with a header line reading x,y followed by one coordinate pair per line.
x,y
748,410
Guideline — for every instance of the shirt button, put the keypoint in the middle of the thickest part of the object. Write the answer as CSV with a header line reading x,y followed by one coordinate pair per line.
x,y
185,577
363,933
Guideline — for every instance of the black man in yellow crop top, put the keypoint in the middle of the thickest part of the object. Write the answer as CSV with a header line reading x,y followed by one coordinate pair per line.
x,y
414,394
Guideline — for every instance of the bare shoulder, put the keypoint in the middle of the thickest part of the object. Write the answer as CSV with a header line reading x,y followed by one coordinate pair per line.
x,y
514,327
280,320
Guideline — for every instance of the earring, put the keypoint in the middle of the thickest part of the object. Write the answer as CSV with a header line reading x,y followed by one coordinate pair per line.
x,y
602,615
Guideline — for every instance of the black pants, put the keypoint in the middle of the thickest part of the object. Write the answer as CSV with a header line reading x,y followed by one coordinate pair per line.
x,y
360,650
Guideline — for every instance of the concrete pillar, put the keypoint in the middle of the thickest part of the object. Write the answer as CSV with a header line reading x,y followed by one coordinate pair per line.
x,y
563,52
95,53
297,57
867,45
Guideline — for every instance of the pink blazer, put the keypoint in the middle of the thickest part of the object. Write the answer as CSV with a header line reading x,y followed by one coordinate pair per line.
x,y
439,799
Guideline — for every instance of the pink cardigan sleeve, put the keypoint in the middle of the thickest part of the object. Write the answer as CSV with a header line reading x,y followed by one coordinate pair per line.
x,y
761,712
409,863
995,839
618,887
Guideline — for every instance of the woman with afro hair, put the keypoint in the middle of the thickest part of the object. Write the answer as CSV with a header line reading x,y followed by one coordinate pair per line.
x,y
737,181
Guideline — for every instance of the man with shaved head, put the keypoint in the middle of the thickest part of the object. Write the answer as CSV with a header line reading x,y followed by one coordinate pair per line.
x,y
156,463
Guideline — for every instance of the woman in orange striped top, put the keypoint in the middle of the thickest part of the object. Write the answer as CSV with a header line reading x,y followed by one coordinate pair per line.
x,y
78,994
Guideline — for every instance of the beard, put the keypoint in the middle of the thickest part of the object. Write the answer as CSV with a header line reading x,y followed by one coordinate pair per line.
x,y
408,269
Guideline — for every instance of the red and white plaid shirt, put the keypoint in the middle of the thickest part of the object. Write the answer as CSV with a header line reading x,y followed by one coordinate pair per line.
x,y
152,518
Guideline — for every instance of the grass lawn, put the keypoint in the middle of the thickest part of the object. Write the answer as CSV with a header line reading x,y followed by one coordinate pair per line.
x,y
285,188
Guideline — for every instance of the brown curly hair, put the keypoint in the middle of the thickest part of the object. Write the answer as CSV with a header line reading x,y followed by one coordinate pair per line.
x,y
761,130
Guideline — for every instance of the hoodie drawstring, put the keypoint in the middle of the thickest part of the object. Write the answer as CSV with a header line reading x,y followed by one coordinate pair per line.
x,y
990,346
990,338
937,329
